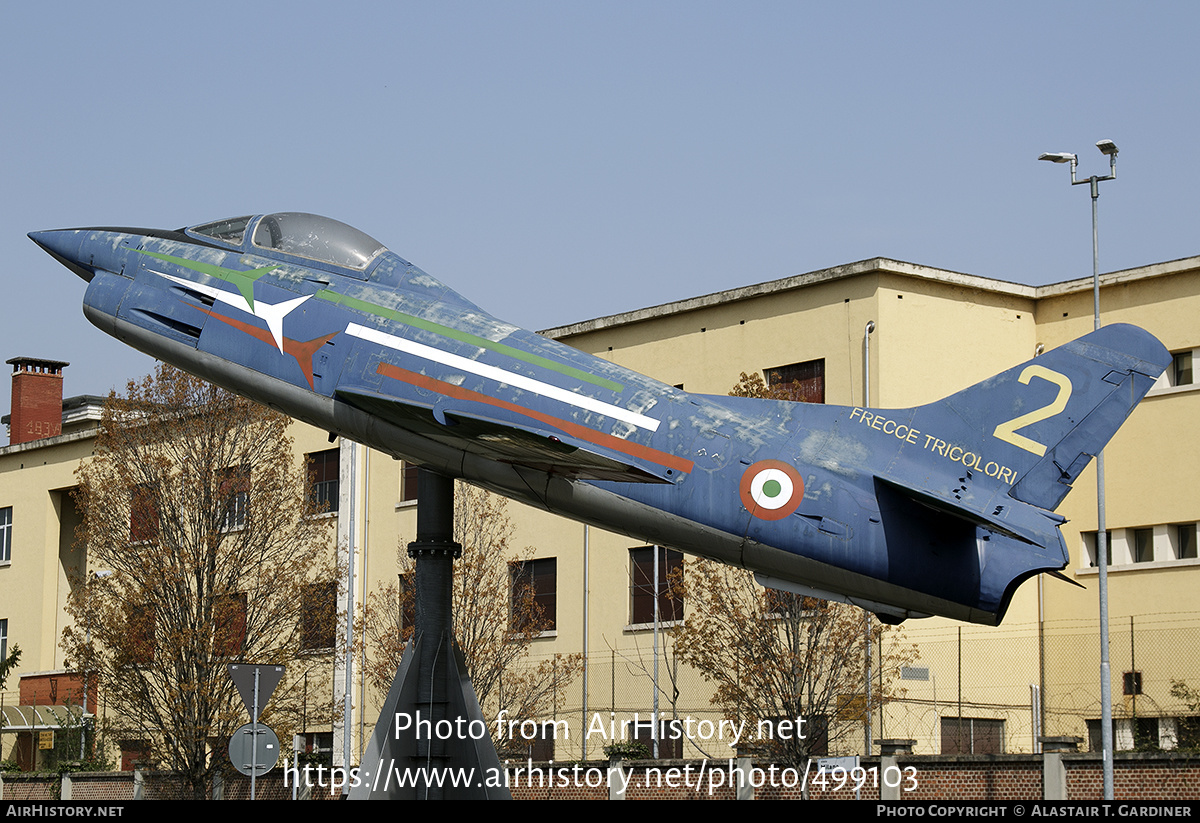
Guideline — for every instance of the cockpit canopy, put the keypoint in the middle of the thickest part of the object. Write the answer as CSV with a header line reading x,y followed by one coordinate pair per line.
x,y
301,234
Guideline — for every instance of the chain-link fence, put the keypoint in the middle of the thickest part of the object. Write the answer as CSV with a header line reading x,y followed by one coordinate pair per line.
x,y
1147,655
619,702
971,689
999,689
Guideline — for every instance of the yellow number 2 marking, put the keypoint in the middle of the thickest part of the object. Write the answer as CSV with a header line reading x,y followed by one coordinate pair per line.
x,y
1008,431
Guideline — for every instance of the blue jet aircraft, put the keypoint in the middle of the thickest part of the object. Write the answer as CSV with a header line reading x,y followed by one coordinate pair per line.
x,y
941,509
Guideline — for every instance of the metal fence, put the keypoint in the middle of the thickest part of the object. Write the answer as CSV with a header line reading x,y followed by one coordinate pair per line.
x,y
970,689
619,705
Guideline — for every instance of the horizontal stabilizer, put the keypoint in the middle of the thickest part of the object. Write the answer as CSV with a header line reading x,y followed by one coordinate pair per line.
x,y
1017,531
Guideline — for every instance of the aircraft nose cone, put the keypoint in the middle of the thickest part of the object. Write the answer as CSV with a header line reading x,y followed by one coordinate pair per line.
x,y
63,246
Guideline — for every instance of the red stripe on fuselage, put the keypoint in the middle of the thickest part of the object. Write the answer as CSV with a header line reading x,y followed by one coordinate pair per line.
x,y
582,432
302,351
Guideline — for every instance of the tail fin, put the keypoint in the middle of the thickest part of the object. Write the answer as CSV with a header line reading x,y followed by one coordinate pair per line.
x,y
1040,424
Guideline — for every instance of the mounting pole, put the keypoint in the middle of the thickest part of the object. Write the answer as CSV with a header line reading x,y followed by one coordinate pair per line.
x,y
434,552
431,680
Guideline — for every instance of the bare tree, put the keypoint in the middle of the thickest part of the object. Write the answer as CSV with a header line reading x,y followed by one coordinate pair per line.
x,y
497,617
196,504
781,658
667,677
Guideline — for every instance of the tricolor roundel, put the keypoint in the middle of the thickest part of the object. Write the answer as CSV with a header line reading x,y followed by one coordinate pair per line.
x,y
771,489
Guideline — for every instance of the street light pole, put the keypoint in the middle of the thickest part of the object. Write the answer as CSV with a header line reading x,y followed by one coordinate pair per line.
x,y
1109,148
867,329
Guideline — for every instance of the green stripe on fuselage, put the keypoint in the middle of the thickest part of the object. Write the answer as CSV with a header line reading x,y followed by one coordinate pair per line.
x,y
466,337
243,281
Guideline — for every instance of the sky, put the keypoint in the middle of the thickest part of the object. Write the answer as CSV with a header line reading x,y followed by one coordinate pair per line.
x,y
559,161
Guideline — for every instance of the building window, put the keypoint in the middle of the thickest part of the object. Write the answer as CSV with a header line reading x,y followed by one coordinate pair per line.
x,y
1089,545
1129,733
6,534
323,468
318,622
229,624
1175,541
642,594
408,481
233,488
972,735
804,382
1145,733
534,594
3,640
134,754
670,736
318,746
1143,545
539,748
818,734
1187,733
143,514
1185,541
1132,683
1181,368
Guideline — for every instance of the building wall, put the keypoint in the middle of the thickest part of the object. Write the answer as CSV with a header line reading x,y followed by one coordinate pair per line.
x,y
35,480
1151,477
935,333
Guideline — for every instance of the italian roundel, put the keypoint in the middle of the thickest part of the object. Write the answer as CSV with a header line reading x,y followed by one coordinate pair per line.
x,y
771,489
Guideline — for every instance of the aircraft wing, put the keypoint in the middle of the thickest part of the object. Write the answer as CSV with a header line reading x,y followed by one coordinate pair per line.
x,y
511,434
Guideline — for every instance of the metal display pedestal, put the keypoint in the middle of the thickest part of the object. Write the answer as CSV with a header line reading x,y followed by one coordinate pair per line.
x,y
431,719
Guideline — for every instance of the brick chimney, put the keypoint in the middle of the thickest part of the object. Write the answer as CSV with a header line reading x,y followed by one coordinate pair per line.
x,y
37,393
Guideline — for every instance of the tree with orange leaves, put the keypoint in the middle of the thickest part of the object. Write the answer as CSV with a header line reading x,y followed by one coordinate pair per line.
x,y
201,545
496,620
779,657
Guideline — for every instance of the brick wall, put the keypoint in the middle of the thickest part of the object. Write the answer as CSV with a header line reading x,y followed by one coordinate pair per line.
x,y
975,777
1138,776
37,392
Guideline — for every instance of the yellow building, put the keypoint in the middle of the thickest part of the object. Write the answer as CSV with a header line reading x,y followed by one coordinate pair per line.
x,y
933,332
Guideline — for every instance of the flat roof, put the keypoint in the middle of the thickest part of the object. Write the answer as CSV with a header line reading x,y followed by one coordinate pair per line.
x,y
871,265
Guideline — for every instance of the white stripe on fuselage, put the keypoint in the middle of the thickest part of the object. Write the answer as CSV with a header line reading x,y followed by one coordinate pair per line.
x,y
501,376
271,314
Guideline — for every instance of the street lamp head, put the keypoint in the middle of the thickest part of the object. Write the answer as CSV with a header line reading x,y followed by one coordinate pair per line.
x,y
1058,157
1107,147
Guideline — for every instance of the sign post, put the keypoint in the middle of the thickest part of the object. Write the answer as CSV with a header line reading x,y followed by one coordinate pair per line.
x,y
254,749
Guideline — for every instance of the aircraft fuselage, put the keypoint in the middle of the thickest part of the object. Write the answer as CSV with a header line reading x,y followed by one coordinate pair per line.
x,y
906,511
